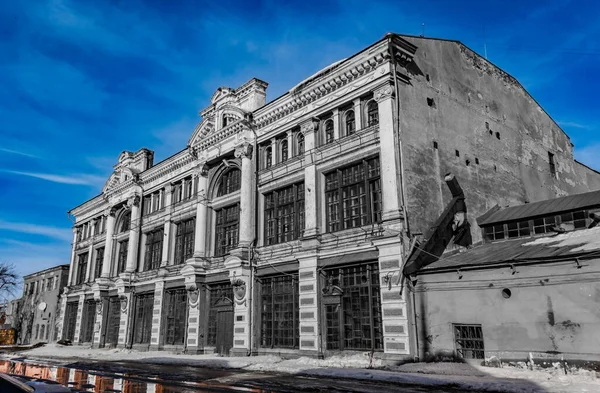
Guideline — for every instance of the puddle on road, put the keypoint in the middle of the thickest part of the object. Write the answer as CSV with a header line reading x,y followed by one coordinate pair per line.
x,y
92,381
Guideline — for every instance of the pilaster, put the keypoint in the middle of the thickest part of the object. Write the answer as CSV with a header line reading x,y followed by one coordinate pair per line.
x,y
311,223
336,124
358,114
88,270
196,295
157,317
309,306
79,318
393,306
201,214
72,268
108,249
126,298
246,234
101,313
239,275
390,189
134,234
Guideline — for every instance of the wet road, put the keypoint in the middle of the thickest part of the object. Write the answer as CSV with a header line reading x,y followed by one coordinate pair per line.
x,y
130,377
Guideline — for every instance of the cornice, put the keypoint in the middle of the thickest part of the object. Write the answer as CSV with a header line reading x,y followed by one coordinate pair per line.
x,y
156,173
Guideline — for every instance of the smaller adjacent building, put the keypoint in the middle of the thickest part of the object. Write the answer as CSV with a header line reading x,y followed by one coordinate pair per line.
x,y
34,315
532,286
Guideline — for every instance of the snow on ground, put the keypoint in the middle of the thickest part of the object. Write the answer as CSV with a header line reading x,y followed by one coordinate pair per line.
x,y
360,366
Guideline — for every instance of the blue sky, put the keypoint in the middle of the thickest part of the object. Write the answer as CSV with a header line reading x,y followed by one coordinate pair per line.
x,y
81,81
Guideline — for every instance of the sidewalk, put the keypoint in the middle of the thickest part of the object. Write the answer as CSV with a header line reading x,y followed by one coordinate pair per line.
x,y
457,375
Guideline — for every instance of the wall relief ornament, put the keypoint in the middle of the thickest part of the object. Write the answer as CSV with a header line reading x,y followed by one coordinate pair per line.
x,y
244,150
99,307
124,304
193,295
239,290
383,93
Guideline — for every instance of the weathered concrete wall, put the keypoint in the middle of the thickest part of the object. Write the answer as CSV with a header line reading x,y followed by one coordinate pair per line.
x,y
591,176
552,311
508,157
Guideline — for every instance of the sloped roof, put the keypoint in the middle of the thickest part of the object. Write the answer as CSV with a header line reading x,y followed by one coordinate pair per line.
x,y
542,208
573,244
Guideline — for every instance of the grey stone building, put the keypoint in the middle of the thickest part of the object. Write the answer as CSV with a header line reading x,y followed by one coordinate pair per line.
x,y
282,227
34,315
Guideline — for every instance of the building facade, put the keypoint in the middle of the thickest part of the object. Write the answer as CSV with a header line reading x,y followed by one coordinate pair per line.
x,y
35,314
282,226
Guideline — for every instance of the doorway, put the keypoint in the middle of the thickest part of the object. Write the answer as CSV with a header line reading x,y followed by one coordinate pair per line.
x,y
224,331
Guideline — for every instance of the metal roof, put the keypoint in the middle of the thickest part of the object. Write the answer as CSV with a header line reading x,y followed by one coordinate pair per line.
x,y
567,245
542,208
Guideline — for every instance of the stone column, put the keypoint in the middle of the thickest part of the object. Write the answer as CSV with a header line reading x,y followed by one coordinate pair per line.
x,y
389,168
73,256
290,144
275,159
134,235
200,251
108,249
246,236
239,275
197,313
357,115
63,312
336,124
101,313
157,326
127,300
309,305
311,224
393,306
166,246
89,270
79,318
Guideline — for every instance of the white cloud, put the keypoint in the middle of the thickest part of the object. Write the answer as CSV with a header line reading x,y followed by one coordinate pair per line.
x,y
76,179
571,124
589,155
64,234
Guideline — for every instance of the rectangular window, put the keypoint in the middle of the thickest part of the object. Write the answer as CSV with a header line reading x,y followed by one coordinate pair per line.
x,y
518,229
544,224
122,256
284,214
469,341
89,317
154,244
577,219
142,323
353,318
50,283
175,316
495,232
353,196
99,262
182,190
280,312
184,240
177,192
97,225
81,267
147,205
552,164
227,229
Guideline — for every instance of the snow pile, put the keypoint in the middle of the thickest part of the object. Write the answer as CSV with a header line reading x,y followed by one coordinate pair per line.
x,y
358,366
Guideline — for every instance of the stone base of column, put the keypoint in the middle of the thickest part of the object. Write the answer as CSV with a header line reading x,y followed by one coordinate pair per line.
x,y
238,352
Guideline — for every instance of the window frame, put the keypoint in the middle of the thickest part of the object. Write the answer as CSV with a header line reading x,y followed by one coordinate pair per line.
x,y
184,240
122,256
350,121
82,263
372,112
275,332
99,262
230,182
153,251
227,228
328,132
275,213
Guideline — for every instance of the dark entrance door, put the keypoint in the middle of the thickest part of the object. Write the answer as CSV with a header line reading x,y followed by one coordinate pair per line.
x,y
142,324
224,330
176,316
113,318
70,320
89,317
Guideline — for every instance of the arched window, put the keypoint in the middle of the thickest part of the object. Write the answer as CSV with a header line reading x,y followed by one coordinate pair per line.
x,y
350,123
224,122
268,157
300,143
372,114
328,131
125,222
230,182
284,150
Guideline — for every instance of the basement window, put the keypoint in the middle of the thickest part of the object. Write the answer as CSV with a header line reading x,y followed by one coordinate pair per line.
x,y
469,341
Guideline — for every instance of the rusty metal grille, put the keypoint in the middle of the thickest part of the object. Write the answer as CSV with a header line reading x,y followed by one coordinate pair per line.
x,y
176,316
144,305
89,318
221,297
280,312
469,341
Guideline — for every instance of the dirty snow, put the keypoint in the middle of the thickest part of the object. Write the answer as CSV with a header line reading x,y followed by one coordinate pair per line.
x,y
465,376
587,240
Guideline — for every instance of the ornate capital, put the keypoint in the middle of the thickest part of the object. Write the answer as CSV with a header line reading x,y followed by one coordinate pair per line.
x,y
203,169
309,125
112,211
134,201
244,150
384,92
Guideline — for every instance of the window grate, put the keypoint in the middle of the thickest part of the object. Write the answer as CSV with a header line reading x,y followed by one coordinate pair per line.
x,y
469,341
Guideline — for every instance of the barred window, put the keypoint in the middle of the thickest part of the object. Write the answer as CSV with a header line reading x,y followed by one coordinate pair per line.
x,y
354,321
154,244
350,122
280,312
284,214
184,240
99,262
372,113
122,256
82,263
227,229
230,182
469,341
353,196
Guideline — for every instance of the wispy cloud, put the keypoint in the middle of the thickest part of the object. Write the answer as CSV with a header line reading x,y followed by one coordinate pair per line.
x,y
20,153
75,179
571,124
63,234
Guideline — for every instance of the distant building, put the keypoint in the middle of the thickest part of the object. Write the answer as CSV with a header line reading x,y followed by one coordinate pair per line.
x,y
34,315
532,287
282,227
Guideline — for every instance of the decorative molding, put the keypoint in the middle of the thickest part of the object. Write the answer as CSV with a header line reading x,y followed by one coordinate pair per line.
x,y
239,290
383,93
310,125
245,150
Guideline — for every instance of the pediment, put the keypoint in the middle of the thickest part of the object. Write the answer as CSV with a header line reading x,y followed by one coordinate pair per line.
x,y
220,93
205,128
